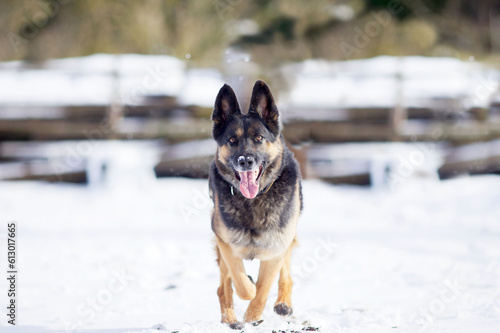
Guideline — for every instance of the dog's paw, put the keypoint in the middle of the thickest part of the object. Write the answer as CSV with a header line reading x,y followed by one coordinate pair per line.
x,y
236,325
283,309
251,280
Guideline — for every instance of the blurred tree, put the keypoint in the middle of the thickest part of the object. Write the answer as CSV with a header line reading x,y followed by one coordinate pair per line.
x,y
38,29
281,30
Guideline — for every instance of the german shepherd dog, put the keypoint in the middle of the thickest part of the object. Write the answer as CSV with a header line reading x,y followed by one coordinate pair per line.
x,y
255,185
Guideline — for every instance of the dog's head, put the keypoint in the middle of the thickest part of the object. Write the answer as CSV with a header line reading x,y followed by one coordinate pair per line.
x,y
248,144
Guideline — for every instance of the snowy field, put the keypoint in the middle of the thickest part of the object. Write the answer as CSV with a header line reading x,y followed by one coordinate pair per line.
x,y
138,258
136,254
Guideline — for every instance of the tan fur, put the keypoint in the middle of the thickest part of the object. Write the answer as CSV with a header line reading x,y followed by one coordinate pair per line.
x,y
285,282
225,292
268,272
222,154
242,284
274,149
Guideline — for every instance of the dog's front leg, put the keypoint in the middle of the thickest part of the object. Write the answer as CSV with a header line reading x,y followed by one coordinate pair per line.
x,y
245,289
225,293
268,272
283,305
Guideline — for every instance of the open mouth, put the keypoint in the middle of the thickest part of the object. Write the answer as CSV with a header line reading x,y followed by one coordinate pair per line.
x,y
249,181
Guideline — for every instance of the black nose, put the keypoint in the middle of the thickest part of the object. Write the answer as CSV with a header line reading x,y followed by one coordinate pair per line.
x,y
246,162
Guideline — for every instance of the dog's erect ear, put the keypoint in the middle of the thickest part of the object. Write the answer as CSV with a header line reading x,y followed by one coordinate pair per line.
x,y
262,103
226,105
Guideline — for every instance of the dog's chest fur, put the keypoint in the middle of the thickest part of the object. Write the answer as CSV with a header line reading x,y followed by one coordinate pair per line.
x,y
261,228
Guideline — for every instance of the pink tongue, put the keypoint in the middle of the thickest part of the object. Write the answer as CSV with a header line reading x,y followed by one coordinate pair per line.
x,y
248,186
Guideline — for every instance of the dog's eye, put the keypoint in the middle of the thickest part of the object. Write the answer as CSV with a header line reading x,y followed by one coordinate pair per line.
x,y
259,138
232,140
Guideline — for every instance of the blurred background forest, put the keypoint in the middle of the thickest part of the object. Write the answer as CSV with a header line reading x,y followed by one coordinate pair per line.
x,y
358,72
273,31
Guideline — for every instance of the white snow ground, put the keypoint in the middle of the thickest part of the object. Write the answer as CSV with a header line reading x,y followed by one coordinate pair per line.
x,y
425,258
